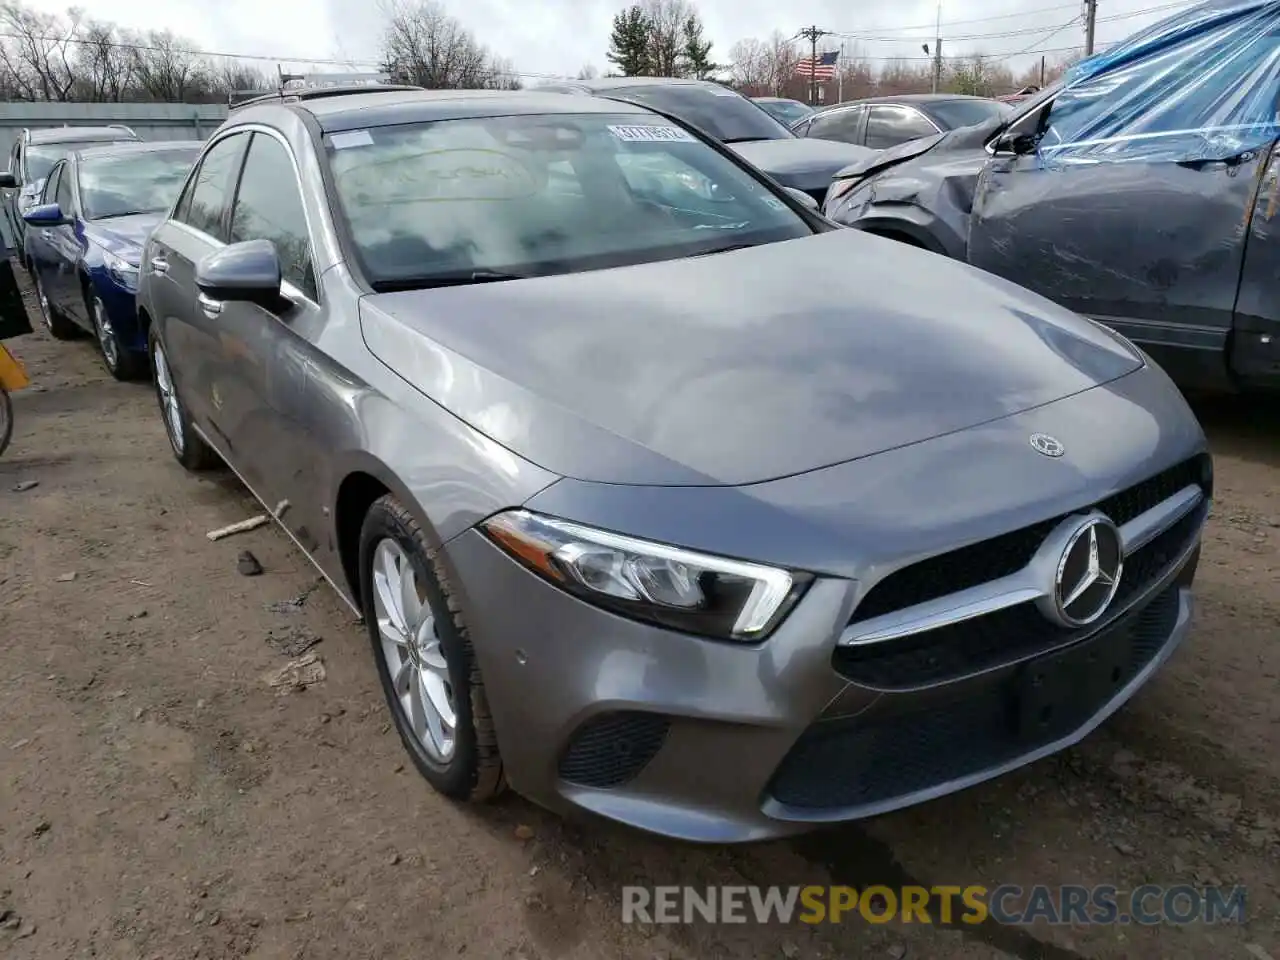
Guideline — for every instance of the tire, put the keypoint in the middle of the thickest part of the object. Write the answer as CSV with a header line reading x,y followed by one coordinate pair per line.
x,y
472,770
120,363
58,326
6,420
188,448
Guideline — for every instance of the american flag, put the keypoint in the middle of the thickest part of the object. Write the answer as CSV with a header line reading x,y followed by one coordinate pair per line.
x,y
825,69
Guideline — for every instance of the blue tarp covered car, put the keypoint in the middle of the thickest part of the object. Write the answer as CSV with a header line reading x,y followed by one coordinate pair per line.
x,y
1140,191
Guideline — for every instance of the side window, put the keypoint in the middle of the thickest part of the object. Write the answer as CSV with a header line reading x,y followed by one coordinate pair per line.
x,y
839,125
63,196
50,193
889,125
210,189
269,207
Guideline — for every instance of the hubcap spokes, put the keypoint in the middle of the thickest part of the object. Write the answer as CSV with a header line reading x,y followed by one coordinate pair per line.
x,y
106,335
170,407
44,306
412,652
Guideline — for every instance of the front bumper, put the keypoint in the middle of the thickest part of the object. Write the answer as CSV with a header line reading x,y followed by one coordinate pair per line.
x,y
723,742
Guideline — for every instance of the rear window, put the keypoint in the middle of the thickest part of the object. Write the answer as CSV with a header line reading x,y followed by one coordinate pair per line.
x,y
537,195
717,111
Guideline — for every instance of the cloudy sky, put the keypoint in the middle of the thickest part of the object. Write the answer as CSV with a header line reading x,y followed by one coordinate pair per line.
x,y
557,37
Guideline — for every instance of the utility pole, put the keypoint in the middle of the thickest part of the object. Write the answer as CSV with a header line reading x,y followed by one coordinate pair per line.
x,y
812,34
1042,72
1090,25
840,76
937,51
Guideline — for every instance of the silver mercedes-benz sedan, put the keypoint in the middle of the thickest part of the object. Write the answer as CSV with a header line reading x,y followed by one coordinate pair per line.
x,y
639,524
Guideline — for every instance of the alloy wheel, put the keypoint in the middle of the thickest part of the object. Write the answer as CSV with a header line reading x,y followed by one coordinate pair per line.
x,y
170,406
410,647
106,334
46,314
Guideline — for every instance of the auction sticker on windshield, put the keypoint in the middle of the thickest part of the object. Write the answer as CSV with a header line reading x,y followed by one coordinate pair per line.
x,y
651,134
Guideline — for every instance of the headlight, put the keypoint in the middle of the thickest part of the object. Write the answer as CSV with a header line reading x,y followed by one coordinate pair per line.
x,y
122,271
670,586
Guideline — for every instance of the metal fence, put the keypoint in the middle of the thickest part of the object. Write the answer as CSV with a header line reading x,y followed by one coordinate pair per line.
x,y
150,121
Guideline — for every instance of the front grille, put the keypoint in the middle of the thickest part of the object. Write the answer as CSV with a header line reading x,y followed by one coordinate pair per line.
x,y
1008,553
855,762
1005,636
612,749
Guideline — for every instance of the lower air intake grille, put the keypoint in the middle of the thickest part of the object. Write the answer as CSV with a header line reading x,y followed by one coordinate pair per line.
x,y
610,750
861,761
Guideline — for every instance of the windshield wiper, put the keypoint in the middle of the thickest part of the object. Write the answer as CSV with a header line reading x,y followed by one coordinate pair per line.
x,y
728,140
459,279
725,248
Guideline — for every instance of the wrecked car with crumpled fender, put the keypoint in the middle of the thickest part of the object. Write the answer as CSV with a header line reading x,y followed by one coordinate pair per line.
x,y
1140,191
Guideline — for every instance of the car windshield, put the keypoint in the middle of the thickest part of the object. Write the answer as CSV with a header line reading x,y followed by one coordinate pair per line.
x,y
457,201
717,111
42,157
788,111
133,182
966,113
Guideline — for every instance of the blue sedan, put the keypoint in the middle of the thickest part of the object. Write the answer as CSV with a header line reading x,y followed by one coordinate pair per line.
x,y
96,210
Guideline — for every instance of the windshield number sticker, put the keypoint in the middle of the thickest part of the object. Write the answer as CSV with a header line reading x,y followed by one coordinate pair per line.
x,y
350,138
651,134
775,203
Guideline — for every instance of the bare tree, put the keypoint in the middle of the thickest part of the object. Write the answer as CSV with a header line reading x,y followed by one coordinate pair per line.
x,y
166,67
667,19
103,65
780,63
588,72
977,75
236,76
37,56
423,45
749,67
904,76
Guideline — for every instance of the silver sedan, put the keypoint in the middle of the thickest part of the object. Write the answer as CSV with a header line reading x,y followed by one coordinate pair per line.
x,y
640,523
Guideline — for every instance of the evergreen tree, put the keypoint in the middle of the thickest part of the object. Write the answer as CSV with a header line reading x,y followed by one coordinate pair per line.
x,y
629,42
697,50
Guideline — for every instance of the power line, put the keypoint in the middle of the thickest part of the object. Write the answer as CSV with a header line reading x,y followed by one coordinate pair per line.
x,y
1022,32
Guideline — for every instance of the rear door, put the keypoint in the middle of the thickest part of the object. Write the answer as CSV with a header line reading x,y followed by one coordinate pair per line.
x,y
845,125
37,242
267,356
192,337
1136,238
889,124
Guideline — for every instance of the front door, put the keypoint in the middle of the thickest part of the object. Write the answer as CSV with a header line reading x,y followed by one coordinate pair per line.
x,y
268,357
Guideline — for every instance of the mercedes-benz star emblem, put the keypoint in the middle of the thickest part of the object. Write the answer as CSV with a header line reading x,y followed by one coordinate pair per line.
x,y
1089,572
1047,445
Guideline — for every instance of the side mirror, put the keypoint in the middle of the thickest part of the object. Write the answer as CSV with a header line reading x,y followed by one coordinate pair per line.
x,y
801,197
45,215
247,272
8,181
1018,144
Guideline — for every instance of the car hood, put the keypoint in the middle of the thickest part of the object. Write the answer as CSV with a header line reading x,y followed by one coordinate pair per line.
x,y
958,139
722,369
800,162
123,236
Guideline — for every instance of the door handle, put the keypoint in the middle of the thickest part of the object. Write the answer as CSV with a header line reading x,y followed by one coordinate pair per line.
x,y
159,264
210,306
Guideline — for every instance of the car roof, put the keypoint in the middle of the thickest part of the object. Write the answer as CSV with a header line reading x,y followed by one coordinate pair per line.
x,y
909,98
621,83
73,134
137,146
778,100
382,108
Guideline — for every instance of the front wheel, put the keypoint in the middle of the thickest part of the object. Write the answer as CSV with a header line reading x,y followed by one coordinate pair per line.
x,y
6,420
428,670
189,449
120,362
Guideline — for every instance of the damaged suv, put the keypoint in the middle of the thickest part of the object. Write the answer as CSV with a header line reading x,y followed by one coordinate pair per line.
x,y
1140,191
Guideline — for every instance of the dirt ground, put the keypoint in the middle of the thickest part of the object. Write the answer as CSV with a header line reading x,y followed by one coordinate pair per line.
x,y
159,799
